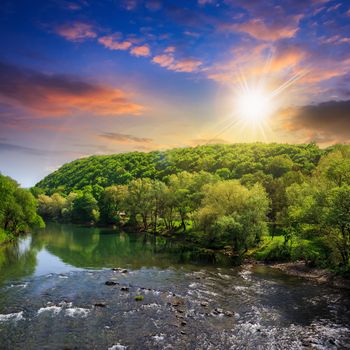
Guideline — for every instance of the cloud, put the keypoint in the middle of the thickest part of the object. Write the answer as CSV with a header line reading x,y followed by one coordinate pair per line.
x,y
186,65
113,42
124,138
153,5
205,2
130,5
9,147
268,31
170,49
142,50
73,5
76,31
58,95
326,122
163,60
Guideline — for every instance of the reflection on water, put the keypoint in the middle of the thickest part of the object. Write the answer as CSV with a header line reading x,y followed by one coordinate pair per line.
x,y
54,283
63,248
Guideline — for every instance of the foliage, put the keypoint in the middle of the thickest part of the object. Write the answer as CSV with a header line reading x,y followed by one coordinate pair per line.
x,y
217,196
227,161
17,208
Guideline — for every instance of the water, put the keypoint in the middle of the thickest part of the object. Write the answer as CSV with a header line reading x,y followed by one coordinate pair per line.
x,y
53,296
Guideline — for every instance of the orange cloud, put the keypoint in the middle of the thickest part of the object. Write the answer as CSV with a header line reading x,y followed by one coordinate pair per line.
x,y
112,42
168,61
143,50
60,95
163,60
262,30
77,31
124,138
170,49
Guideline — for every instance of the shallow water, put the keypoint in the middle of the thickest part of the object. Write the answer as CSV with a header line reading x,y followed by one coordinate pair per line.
x,y
53,296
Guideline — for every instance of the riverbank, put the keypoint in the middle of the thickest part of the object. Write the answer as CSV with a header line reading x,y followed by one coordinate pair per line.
x,y
5,237
300,269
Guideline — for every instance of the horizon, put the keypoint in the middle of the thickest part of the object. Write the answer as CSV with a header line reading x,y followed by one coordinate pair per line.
x,y
81,78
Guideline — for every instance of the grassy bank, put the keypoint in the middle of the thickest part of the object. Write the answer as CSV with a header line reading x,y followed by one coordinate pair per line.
x,y
5,236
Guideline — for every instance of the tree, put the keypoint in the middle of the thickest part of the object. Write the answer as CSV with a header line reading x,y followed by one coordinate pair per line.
x,y
337,219
17,207
139,201
234,213
280,165
85,208
112,203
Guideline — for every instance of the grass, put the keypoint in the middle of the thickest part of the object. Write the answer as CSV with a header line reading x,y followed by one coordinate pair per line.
x,y
274,249
4,236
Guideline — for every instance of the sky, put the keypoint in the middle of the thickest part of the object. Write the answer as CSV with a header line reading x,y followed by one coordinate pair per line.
x,y
83,77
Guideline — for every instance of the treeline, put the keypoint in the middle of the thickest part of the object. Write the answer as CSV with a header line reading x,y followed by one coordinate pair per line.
x,y
18,209
301,196
227,161
224,212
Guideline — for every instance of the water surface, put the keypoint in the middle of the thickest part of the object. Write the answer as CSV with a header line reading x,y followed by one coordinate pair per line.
x,y
53,296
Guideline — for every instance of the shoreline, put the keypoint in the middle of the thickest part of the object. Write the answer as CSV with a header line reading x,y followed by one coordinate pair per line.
x,y
323,276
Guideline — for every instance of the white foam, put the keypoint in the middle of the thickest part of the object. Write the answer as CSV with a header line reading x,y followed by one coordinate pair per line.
x,y
53,309
16,316
150,306
77,312
159,337
118,346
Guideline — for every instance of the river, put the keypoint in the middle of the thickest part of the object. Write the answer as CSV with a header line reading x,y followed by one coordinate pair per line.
x,y
53,295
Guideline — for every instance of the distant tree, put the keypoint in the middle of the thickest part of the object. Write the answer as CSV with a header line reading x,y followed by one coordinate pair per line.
x,y
85,208
280,165
112,202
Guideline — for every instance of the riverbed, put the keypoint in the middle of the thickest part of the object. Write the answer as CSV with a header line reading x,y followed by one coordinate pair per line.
x,y
69,287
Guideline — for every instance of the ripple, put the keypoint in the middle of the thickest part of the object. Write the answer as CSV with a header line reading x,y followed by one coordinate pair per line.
x,y
16,316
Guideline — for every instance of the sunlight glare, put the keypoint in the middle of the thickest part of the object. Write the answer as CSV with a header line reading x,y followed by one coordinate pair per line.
x,y
253,106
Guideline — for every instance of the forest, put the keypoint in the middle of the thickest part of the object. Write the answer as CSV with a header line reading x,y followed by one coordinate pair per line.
x,y
18,210
271,202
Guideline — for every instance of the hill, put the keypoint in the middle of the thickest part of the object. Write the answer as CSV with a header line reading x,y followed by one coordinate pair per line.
x,y
228,161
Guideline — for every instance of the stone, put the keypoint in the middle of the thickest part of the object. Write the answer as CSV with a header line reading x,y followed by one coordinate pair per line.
x,y
124,289
101,304
111,283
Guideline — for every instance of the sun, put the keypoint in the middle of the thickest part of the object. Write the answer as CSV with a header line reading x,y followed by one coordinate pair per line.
x,y
253,106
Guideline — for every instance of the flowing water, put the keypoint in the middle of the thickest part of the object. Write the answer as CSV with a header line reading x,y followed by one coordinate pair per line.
x,y
53,295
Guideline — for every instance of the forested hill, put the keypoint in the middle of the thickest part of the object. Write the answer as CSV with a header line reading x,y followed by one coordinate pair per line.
x,y
228,161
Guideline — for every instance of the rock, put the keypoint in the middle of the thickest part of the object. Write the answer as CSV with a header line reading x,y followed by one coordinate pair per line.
x,y
177,302
124,289
229,313
183,323
111,283
101,304
332,341
204,304
218,311
118,269
183,332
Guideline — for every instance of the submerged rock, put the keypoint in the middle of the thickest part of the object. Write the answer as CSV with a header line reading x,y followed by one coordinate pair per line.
x,y
111,283
118,269
101,304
